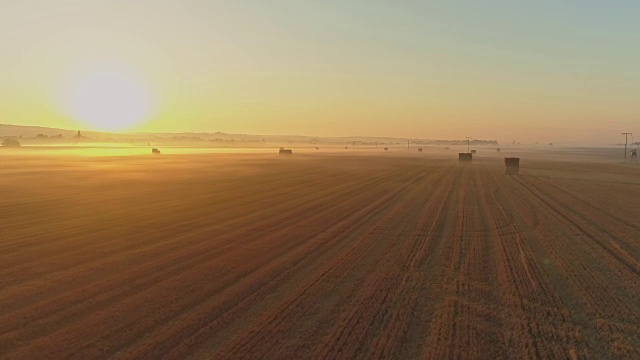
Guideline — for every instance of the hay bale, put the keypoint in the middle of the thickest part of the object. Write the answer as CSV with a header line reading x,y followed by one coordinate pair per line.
x,y
346,147
498,149
466,157
386,149
512,165
419,149
284,151
155,151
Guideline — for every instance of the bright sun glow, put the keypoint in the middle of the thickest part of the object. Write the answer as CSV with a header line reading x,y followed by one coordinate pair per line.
x,y
108,98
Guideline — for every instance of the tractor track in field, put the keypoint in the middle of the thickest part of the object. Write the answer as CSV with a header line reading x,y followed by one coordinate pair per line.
x,y
355,221
378,306
176,245
350,257
543,327
145,231
593,292
588,209
96,254
592,229
153,276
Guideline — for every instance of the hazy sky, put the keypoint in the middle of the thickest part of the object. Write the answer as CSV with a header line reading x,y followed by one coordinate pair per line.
x,y
562,71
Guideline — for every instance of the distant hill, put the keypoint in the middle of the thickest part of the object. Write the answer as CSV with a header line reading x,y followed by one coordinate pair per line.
x,y
47,135
32,131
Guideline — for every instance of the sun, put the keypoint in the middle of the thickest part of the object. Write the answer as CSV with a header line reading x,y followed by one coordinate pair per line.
x,y
108,98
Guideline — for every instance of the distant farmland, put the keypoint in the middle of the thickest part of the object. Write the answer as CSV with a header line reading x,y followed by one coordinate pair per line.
x,y
318,256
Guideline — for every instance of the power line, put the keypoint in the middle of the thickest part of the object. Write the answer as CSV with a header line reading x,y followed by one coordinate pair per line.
x,y
626,134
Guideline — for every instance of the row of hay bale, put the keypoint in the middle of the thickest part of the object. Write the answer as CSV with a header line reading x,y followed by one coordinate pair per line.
x,y
289,151
512,164
347,148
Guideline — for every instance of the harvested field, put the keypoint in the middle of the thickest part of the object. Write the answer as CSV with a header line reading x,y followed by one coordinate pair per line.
x,y
317,257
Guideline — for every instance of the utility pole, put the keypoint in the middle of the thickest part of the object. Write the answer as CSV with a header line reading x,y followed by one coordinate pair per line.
x,y
407,144
353,144
468,144
626,134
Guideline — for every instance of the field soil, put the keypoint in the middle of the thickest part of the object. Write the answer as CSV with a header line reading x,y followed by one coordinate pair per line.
x,y
318,256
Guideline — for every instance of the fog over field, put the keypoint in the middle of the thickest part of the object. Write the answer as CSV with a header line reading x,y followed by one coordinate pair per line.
x,y
329,179
339,254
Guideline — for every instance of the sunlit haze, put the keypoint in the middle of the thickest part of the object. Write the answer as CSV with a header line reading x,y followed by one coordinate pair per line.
x,y
545,71
337,179
107,98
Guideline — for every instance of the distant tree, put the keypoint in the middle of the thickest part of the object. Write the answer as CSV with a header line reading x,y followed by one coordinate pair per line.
x,y
9,142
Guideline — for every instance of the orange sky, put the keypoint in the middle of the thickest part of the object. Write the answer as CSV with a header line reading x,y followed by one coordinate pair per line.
x,y
547,72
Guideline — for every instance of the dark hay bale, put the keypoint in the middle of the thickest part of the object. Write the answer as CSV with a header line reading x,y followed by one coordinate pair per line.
x,y
155,151
420,149
512,165
284,151
385,149
498,149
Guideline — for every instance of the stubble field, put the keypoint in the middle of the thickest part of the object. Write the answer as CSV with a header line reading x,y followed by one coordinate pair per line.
x,y
370,256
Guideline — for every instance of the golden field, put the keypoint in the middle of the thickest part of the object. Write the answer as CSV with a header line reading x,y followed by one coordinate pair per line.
x,y
336,255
